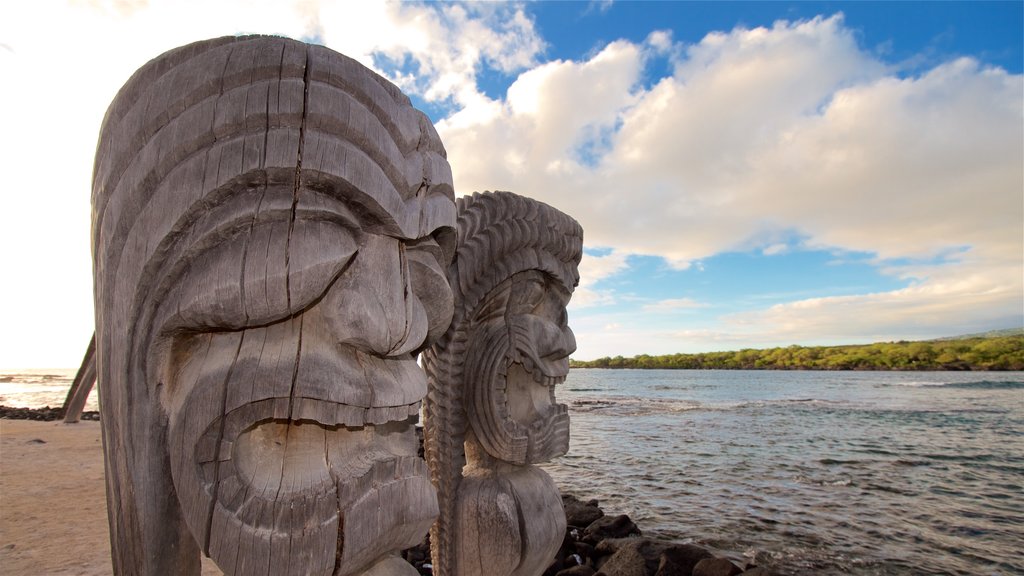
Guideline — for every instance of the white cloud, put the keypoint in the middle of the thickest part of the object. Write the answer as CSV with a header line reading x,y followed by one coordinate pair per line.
x,y
759,134
601,6
674,304
772,132
925,310
63,62
556,115
660,41
594,269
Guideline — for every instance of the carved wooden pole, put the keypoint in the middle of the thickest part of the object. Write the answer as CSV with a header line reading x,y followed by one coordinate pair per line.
x,y
491,402
271,226
78,394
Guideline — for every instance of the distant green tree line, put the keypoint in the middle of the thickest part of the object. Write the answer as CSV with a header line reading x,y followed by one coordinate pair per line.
x,y
998,353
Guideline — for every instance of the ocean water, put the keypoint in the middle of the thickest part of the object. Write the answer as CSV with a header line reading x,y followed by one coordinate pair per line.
x,y
39,387
810,472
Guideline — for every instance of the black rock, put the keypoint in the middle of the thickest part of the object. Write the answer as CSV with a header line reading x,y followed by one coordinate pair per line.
x,y
45,414
759,571
637,557
586,551
680,560
564,557
716,567
580,514
419,557
576,571
610,546
610,527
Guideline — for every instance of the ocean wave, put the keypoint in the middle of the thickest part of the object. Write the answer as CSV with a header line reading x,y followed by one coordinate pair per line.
x,y
976,385
776,402
632,406
635,406
834,482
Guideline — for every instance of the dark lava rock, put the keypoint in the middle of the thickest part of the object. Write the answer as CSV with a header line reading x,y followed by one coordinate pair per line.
x,y
630,559
680,559
585,550
648,557
715,567
419,442
760,571
565,558
610,527
45,414
610,546
419,557
578,513
576,571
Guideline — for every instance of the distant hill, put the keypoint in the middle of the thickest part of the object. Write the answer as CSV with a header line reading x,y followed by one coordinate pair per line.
x,y
989,334
991,351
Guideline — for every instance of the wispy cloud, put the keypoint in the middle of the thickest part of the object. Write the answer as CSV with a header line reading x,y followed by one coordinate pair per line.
x,y
601,6
674,304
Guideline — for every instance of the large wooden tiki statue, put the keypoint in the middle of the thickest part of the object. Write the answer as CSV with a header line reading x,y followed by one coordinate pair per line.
x,y
490,411
272,223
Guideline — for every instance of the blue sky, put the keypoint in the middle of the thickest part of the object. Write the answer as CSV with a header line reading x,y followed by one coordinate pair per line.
x,y
748,174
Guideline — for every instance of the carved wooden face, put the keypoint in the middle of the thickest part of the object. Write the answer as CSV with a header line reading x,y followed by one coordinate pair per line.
x,y
524,342
271,226
298,434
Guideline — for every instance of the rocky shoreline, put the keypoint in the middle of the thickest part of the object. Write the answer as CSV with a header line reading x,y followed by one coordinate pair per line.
x,y
45,414
595,543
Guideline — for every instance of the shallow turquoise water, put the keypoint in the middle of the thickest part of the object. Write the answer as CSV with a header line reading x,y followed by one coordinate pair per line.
x,y
813,472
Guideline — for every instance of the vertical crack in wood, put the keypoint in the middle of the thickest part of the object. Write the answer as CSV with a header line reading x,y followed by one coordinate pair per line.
x,y
403,265
297,184
339,544
295,377
263,158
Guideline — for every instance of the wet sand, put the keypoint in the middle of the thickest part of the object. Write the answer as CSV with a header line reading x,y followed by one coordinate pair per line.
x,y
53,513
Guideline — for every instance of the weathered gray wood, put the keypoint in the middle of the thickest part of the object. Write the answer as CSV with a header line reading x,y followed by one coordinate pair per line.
x,y
78,394
490,412
271,226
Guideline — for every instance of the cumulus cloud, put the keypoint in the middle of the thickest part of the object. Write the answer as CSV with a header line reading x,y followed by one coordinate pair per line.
x,y
764,132
62,63
660,41
434,51
759,134
593,270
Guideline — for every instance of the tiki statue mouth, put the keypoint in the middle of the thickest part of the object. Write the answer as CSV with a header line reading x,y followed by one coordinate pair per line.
x,y
276,458
530,396
308,465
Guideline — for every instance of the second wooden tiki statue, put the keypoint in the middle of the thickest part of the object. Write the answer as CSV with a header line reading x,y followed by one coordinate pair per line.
x,y
490,412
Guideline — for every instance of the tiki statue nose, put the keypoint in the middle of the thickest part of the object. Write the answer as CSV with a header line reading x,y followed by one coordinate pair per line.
x,y
380,313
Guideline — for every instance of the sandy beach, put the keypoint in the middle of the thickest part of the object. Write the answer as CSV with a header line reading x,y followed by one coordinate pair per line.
x,y
53,516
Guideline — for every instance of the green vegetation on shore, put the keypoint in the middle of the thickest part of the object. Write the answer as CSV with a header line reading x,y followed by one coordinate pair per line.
x,y
969,353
